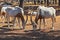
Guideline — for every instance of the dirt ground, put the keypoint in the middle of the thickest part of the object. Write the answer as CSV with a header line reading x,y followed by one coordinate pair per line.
x,y
28,33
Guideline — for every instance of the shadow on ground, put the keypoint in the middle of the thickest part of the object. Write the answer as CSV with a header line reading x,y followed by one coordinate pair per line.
x,y
29,35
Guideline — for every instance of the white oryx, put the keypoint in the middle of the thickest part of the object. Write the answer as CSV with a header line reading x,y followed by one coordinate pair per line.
x,y
46,12
14,12
2,4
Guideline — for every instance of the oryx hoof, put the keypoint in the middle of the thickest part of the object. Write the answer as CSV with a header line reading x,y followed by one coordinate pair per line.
x,y
39,29
22,28
52,28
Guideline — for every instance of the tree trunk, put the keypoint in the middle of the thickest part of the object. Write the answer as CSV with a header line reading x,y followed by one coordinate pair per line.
x,y
59,2
35,2
47,2
21,3
38,1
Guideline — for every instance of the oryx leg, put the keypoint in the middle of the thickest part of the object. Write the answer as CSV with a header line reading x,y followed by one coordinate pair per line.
x,y
31,18
40,24
3,16
8,19
14,21
23,21
52,23
26,18
18,21
44,23
36,19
